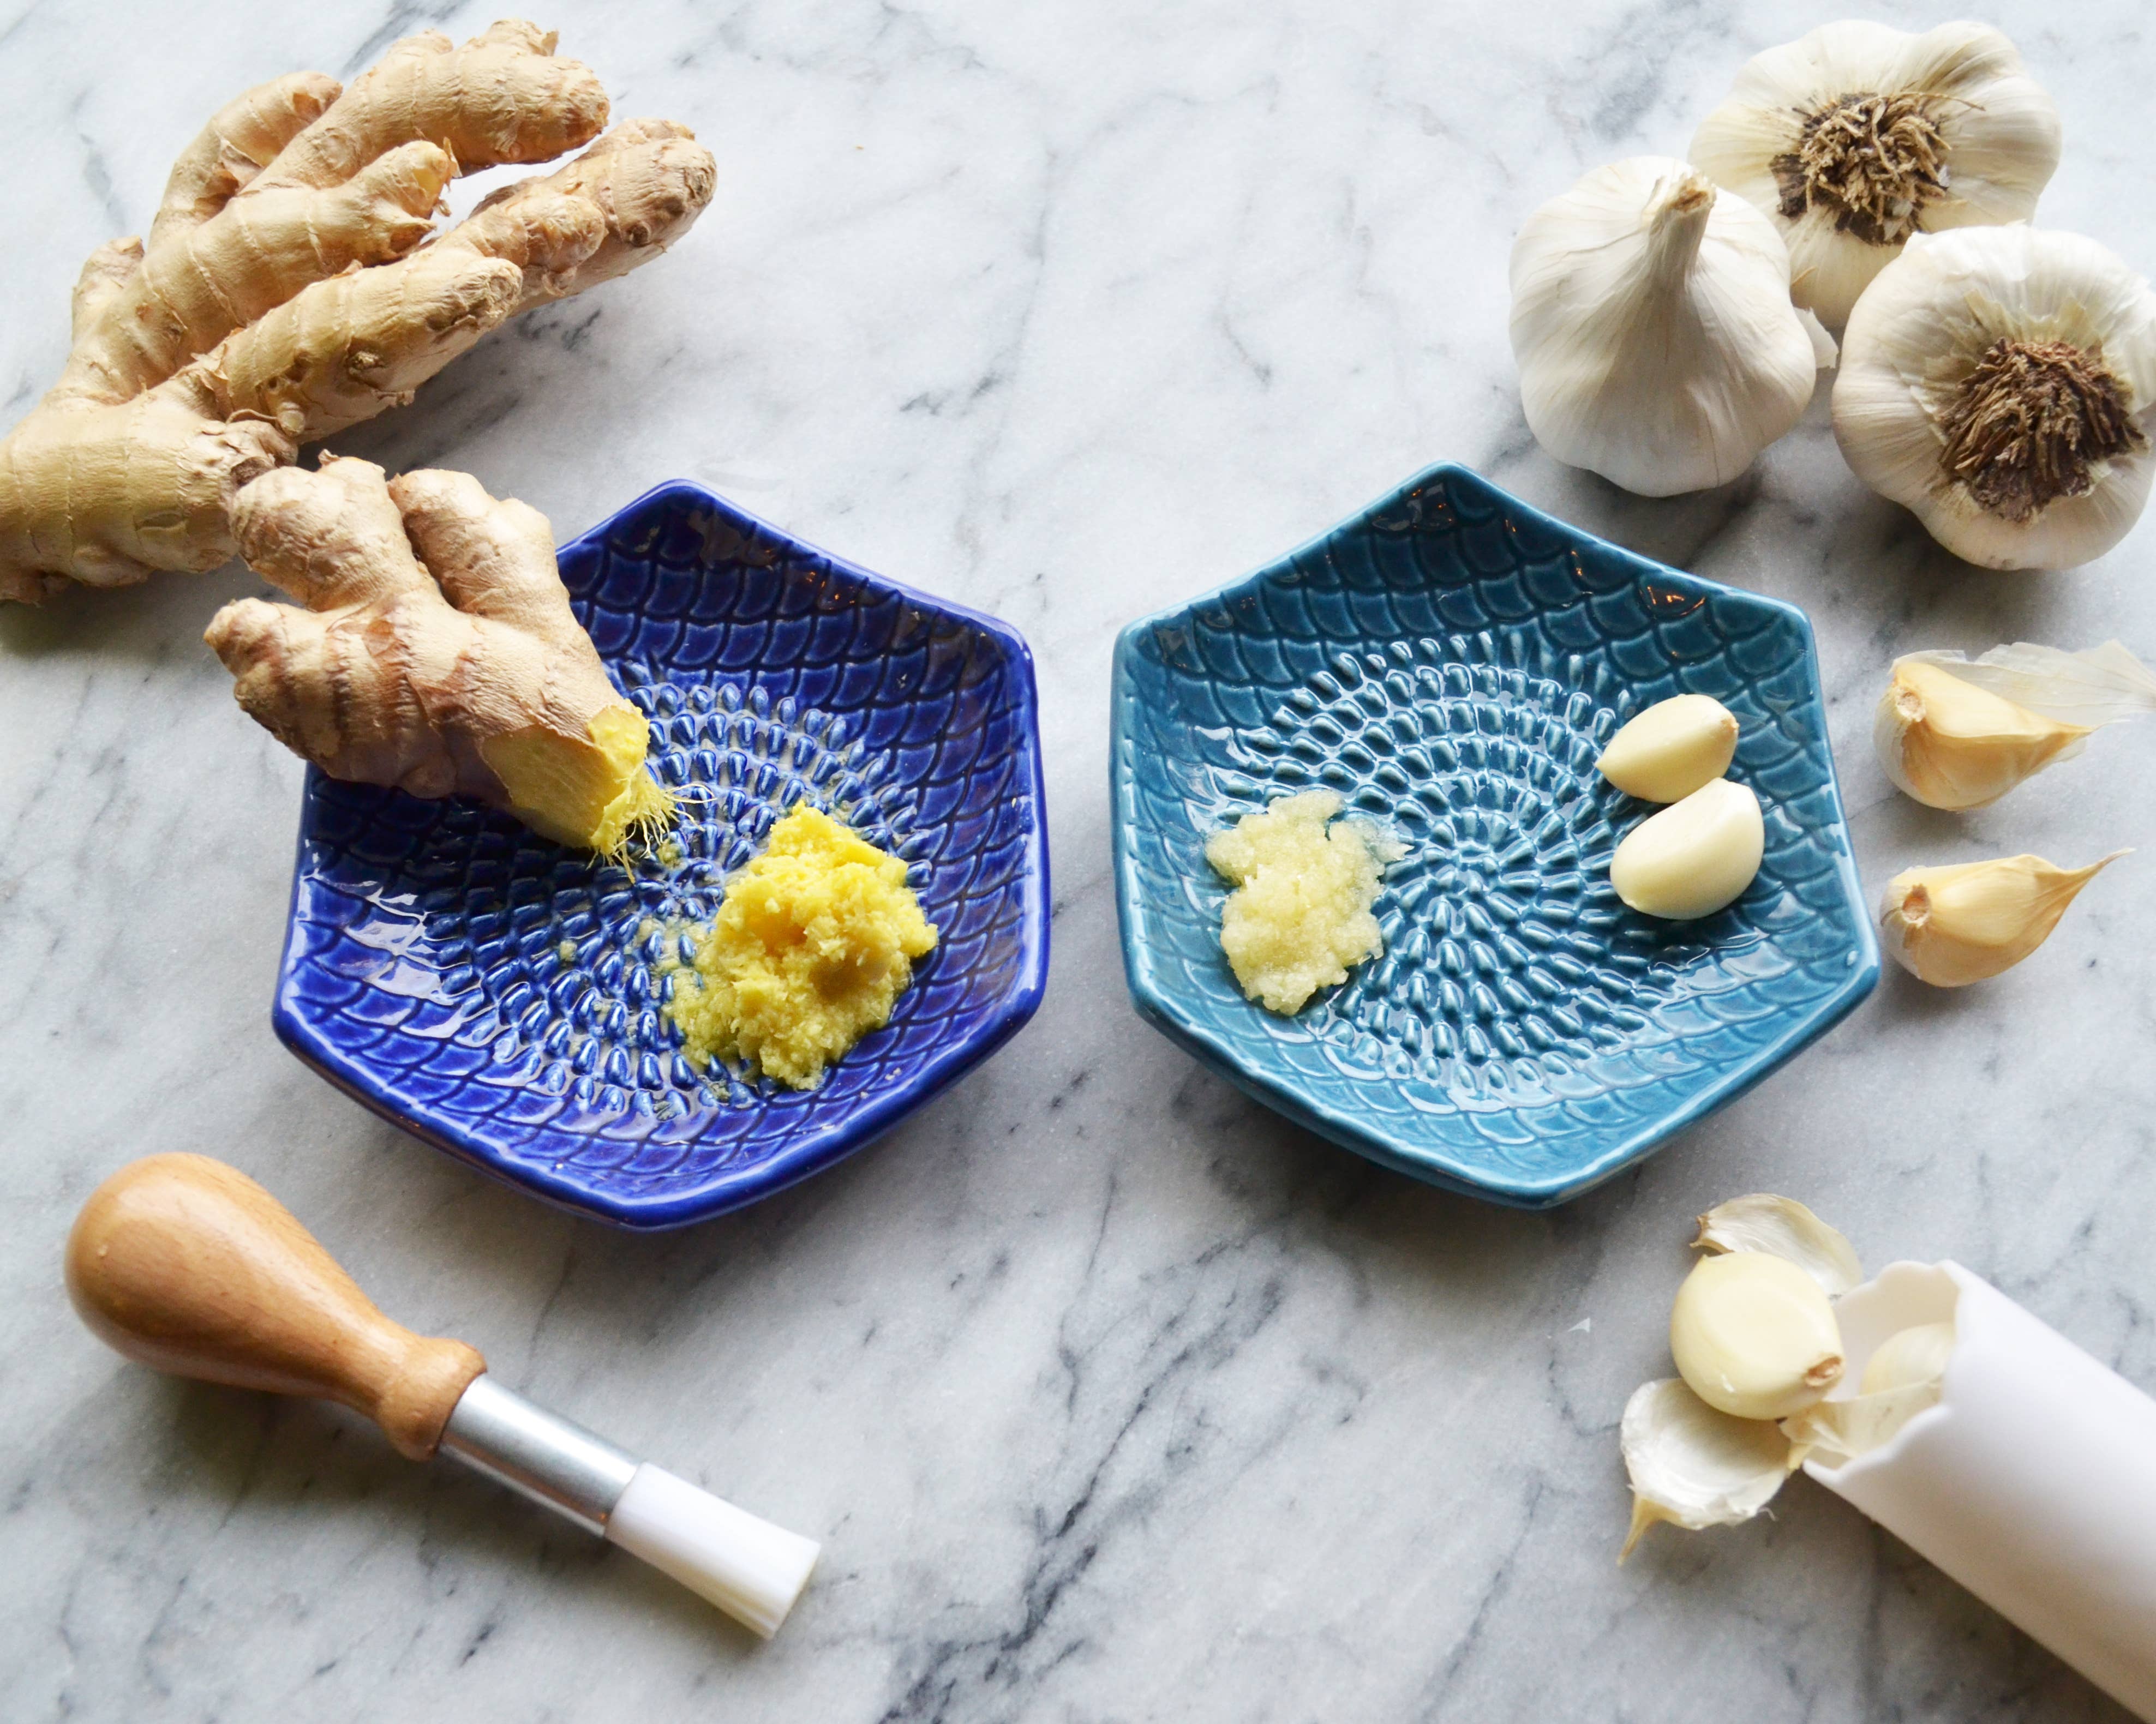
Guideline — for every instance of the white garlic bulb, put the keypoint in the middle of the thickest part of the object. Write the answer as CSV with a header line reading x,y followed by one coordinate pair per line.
x,y
1651,320
1857,136
1996,380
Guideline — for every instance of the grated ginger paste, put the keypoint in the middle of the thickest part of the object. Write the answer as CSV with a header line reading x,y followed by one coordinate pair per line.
x,y
813,945
1300,914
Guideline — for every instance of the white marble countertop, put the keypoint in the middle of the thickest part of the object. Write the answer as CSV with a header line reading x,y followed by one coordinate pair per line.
x,y
1113,1396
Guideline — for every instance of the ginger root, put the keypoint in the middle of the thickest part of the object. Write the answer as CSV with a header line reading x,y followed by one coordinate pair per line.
x,y
289,288
437,652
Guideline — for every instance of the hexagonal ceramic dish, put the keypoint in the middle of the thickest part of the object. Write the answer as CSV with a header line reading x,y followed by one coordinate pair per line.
x,y
494,993
1451,661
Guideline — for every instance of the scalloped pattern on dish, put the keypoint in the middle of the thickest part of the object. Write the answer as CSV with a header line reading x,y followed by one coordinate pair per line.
x,y
1451,663
501,996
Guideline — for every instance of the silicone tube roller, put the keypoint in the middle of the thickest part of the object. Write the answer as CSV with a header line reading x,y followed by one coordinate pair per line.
x,y
188,1266
2032,1482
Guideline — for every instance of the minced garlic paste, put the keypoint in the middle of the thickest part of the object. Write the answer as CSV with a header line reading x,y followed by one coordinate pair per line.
x,y
812,944
1300,914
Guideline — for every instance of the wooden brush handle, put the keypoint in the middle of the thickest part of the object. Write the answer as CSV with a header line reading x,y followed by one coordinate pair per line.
x,y
189,1267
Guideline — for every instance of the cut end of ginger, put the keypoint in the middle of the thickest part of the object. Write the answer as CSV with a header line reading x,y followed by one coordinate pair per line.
x,y
593,792
1300,916
812,944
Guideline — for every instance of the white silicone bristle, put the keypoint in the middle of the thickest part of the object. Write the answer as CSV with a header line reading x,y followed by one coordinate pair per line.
x,y
751,1569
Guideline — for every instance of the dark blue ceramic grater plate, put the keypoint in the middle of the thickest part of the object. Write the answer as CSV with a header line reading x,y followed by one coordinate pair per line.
x,y
494,993
1451,661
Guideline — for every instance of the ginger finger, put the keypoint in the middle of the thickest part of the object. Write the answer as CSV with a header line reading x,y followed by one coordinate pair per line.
x,y
384,681
650,179
195,288
503,97
243,137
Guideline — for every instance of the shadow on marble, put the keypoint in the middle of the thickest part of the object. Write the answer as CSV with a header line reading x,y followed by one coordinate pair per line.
x,y
163,619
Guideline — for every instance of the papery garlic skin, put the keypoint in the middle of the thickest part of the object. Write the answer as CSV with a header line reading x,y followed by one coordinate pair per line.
x,y
1694,1467
1670,750
1651,320
1998,382
1855,136
1753,1336
1951,927
1952,744
1694,857
1782,1227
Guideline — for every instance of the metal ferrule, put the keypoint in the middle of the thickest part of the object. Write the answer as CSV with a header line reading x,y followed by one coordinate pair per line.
x,y
548,1458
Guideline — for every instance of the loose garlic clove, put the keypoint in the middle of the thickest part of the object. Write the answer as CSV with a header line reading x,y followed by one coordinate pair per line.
x,y
1951,927
1855,136
1784,1228
1755,1335
1694,857
1671,749
1651,320
1909,1358
1695,1467
1953,745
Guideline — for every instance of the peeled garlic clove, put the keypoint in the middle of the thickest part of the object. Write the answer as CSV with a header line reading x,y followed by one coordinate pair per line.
x,y
1996,380
1695,1467
1909,1358
1855,136
1784,1228
1694,857
1950,926
1651,320
1953,745
1668,751
1754,1337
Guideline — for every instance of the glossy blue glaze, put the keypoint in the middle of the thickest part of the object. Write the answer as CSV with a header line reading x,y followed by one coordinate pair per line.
x,y
497,994
1451,661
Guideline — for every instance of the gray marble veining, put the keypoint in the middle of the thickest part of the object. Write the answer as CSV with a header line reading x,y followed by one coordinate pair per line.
x,y
1113,1397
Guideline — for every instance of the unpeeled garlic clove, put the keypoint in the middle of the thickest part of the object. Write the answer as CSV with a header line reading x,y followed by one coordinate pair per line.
x,y
1694,857
1668,751
1951,927
1695,1467
1755,1335
1953,745
1782,1227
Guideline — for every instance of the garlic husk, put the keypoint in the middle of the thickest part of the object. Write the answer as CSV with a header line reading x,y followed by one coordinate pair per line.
x,y
1924,132
1782,1227
1950,744
1753,1336
1836,1431
1951,927
1670,750
1694,857
2091,688
1651,320
1997,381
1695,1467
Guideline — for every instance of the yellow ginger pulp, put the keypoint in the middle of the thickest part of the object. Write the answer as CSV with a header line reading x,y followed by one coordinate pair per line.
x,y
1300,914
813,945
596,795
